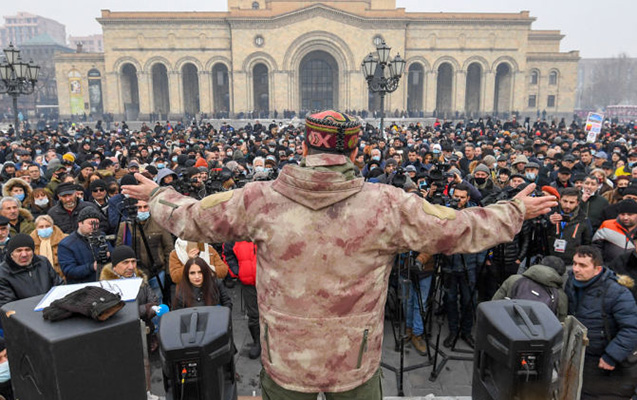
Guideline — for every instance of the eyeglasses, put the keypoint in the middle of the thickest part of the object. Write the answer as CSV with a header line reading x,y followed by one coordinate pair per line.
x,y
99,190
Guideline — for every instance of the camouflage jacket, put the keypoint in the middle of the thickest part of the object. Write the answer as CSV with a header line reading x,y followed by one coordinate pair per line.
x,y
326,243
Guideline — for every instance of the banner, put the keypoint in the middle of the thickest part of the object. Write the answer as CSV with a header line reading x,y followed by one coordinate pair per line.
x,y
75,93
593,126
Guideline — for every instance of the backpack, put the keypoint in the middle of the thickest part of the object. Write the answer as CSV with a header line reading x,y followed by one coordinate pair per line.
x,y
527,289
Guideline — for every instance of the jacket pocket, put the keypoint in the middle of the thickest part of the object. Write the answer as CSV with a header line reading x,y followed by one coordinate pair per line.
x,y
363,349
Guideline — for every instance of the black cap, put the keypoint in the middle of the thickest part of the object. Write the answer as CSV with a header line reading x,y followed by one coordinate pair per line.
x,y
121,253
128,179
564,170
87,213
20,240
4,220
65,188
627,206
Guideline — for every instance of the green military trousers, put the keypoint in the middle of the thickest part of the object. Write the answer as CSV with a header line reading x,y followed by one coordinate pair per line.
x,y
370,390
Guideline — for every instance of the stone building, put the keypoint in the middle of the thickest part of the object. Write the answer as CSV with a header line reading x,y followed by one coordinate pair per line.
x,y
266,55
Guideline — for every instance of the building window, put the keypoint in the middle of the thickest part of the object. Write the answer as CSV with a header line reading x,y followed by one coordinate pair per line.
x,y
532,101
550,102
259,40
553,78
535,77
255,5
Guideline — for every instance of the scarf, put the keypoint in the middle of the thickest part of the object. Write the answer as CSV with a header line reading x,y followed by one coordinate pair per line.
x,y
46,250
181,248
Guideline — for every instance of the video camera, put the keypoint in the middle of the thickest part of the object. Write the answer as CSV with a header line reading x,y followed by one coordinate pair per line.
x,y
98,244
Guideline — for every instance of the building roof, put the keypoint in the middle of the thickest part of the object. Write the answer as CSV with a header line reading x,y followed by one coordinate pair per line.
x,y
42,40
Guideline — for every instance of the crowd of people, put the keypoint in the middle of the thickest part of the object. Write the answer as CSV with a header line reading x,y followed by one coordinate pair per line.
x,y
63,218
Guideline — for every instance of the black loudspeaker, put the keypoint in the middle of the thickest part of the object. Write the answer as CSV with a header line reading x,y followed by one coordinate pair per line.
x,y
518,347
197,354
76,358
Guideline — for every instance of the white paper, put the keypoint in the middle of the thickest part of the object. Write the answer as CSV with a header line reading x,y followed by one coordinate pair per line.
x,y
127,288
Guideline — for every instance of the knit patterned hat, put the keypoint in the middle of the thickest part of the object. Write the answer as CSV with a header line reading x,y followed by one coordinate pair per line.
x,y
332,131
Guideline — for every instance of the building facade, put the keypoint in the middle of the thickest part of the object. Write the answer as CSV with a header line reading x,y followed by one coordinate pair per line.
x,y
24,26
90,44
263,56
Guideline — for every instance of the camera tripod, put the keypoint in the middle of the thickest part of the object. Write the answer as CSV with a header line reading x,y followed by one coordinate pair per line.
x,y
436,301
403,269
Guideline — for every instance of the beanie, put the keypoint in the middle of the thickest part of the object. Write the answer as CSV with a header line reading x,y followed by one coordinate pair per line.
x,y
332,131
87,164
554,262
98,183
128,179
481,168
88,212
201,162
20,240
121,253
552,191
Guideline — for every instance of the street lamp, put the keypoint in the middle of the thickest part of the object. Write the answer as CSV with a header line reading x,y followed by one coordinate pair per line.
x,y
386,81
17,78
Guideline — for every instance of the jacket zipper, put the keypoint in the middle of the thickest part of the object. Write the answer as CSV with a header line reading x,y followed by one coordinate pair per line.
x,y
267,343
363,349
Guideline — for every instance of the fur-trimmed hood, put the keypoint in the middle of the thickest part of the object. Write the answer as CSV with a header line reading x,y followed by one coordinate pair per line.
x,y
26,214
108,274
6,189
626,281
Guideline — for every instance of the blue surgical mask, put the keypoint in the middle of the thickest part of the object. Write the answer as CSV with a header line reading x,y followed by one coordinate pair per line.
x,y
530,176
376,158
5,374
161,166
174,159
143,215
19,196
45,232
259,168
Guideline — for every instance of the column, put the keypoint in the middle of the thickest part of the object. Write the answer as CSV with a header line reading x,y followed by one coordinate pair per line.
x,y
461,91
176,96
205,101
489,92
144,94
430,95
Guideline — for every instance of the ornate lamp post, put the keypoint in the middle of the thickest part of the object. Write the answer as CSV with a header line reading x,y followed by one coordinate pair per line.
x,y
391,70
17,78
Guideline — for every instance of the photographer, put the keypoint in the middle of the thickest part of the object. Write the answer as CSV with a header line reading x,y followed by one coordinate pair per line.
x,y
569,227
78,257
160,244
460,280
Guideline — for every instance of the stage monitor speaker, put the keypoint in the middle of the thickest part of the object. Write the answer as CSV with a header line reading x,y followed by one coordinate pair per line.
x,y
76,358
518,347
197,354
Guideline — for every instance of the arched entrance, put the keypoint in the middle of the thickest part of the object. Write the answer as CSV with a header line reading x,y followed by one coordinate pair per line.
x,y
190,84
130,91
261,90
473,93
161,99
444,99
415,78
318,81
503,83
221,90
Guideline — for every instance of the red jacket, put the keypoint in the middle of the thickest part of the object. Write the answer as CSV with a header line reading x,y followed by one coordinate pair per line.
x,y
241,256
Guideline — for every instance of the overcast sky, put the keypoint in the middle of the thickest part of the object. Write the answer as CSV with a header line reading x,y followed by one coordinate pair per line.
x,y
597,29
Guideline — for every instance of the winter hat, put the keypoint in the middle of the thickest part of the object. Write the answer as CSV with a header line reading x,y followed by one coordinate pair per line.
x,y
88,212
201,162
520,159
97,183
65,188
489,160
627,206
332,131
68,157
4,220
87,164
121,253
481,168
20,240
554,262
552,191
128,179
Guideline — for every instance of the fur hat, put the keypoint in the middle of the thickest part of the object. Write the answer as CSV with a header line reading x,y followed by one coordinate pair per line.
x,y
332,131
121,253
627,206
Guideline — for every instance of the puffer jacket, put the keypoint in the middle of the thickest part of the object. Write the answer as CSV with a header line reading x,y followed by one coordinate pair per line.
x,y
321,323
613,240
507,253
621,316
21,282
76,259
576,232
545,276
241,257
626,264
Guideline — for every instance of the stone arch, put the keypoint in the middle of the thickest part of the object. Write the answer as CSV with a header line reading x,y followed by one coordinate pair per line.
x,y
184,60
503,90
480,60
319,40
446,59
445,87
160,88
260,76
538,77
129,89
554,73
218,59
415,75
157,59
190,87
220,80
119,63
418,59
505,59
475,72
259,57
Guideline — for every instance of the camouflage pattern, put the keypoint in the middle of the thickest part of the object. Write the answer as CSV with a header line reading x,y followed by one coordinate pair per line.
x,y
326,245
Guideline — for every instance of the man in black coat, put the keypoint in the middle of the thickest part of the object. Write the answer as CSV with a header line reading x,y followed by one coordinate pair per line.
x,y
65,213
24,274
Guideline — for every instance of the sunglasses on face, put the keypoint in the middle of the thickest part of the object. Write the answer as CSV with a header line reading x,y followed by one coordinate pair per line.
x,y
99,190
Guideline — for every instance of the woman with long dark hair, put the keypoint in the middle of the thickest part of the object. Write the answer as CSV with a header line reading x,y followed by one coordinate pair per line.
x,y
199,286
